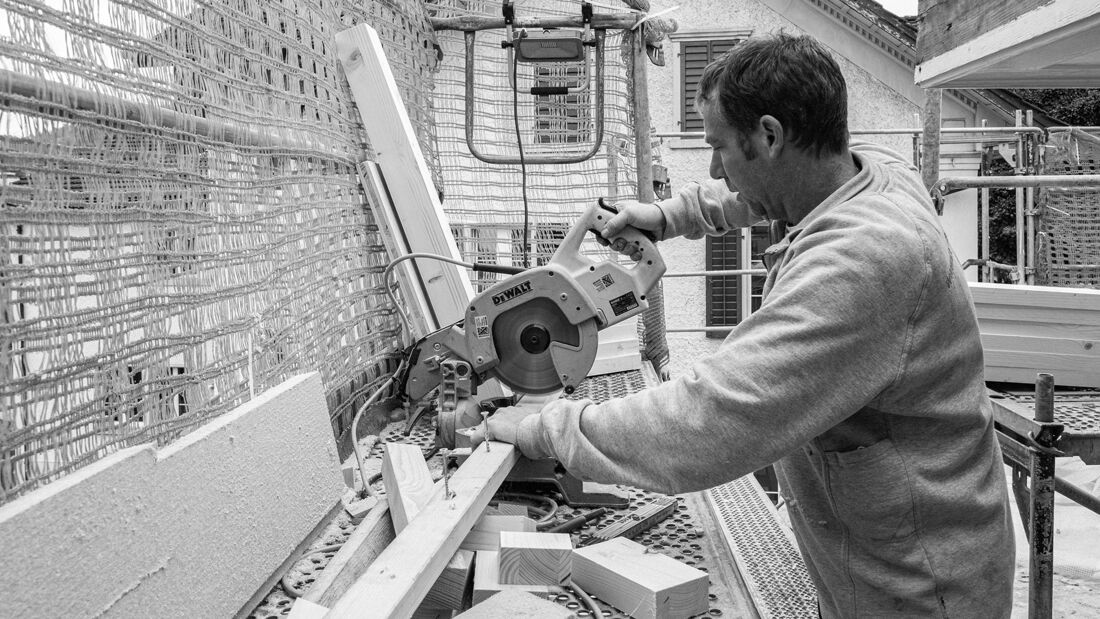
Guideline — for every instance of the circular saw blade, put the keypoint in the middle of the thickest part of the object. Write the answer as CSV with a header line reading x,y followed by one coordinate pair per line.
x,y
524,338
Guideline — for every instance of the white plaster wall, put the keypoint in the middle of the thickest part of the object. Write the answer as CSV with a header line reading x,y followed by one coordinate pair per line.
x,y
887,99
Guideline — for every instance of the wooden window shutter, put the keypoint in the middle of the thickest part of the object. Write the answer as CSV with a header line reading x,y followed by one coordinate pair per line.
x,y
694,57
723,292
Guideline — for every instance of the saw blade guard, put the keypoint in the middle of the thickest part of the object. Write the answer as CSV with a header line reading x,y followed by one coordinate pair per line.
x,y
617,291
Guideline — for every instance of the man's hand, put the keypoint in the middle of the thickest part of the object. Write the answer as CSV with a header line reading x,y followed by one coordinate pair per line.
x,y
641,215
503,425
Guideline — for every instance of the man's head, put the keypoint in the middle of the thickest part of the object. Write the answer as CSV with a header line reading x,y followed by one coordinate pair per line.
x,y
775,114
791,78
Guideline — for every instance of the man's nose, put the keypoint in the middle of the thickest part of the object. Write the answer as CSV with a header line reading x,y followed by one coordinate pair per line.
x,y
716,170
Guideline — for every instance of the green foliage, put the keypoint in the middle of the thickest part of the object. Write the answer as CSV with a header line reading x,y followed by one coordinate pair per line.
x,y
1078,107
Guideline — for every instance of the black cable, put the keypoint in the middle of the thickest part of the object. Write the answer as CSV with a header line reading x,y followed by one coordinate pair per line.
x,y
522,163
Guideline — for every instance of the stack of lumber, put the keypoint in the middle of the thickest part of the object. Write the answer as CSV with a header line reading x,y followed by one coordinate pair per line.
x,y
453,554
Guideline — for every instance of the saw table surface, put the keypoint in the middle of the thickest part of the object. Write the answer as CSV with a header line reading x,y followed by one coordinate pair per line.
x,y
730,532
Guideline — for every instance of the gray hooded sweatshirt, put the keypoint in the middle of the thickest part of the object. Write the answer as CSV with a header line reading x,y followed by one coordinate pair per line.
x,y
860,377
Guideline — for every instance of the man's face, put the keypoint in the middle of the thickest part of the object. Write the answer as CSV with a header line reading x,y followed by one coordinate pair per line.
x,y
734,159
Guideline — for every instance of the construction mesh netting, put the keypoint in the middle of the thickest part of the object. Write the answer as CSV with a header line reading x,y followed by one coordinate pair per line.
x,y
1068,237
181,219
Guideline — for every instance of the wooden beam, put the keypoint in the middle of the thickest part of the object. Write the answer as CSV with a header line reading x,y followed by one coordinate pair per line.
x,y
409,484
535,558
368,541
449,590
644,585
485,535
1008,43
396,239
513,603
402,575
405,170
487,580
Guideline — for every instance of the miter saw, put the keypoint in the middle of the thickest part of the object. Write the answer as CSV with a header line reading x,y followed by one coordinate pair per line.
x,y
534,332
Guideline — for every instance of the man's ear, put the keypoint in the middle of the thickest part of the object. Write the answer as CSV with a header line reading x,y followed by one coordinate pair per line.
x,y
771,135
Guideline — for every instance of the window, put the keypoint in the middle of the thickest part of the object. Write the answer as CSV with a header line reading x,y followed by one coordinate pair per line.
x,y
728,300
694,57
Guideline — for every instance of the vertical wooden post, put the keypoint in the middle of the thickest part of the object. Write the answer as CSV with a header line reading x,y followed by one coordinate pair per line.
x,y
1029,205
643,147
930,151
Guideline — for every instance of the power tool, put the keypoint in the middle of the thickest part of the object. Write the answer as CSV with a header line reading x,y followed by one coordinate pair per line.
x,y
534,332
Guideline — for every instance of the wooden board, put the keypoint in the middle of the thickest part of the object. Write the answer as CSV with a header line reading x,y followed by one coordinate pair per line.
x,y
414,291
1030,329
449,590
535,558
408,482
194,528
643,585
405,170
513,604
485,534
401,576
368,541
487,579
1008,44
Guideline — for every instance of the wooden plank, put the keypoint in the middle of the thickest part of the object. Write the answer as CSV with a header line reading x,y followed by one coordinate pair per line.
x,y
1008,43
449,590
643,585
368,541
947,25
409,484
513,604
487,579
535,558
402,575
396,239
1030,329
141,531
405,170
485,534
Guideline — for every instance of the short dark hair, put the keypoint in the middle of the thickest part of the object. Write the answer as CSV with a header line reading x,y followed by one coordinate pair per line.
x,y
793,78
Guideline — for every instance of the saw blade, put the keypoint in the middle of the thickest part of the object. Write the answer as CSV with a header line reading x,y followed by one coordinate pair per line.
x,y
524,338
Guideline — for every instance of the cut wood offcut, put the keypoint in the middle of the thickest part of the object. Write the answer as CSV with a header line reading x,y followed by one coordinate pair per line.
x,y
641,584
535,558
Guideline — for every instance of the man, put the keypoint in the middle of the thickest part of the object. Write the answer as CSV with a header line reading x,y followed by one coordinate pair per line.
x,y
860,375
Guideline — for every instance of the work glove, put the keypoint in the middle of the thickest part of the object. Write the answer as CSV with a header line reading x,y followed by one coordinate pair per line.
x,y
507,426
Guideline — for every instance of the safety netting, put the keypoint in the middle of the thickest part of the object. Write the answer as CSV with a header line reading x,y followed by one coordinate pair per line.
x,y
181,220
1068,236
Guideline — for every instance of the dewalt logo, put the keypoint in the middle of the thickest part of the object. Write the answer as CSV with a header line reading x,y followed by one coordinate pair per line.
x,y
513,292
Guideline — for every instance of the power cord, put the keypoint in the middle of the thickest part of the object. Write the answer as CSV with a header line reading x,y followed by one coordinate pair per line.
x,y
522,162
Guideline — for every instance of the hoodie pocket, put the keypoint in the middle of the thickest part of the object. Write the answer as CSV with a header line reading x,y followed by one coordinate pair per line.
x,y
870,489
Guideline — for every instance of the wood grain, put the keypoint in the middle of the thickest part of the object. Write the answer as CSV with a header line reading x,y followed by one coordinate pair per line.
x,y
485,535
487,579
406,172
408,481
535,558
1030,329
641,584
402,575
449,590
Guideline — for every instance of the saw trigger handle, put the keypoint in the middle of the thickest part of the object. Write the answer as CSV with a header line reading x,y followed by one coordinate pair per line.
x,y
603,203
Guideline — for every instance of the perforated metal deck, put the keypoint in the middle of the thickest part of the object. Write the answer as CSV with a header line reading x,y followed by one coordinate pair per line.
x,y
764,555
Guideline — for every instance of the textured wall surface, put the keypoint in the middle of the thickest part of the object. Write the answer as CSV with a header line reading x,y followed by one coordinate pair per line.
x,y
193,529
880,93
